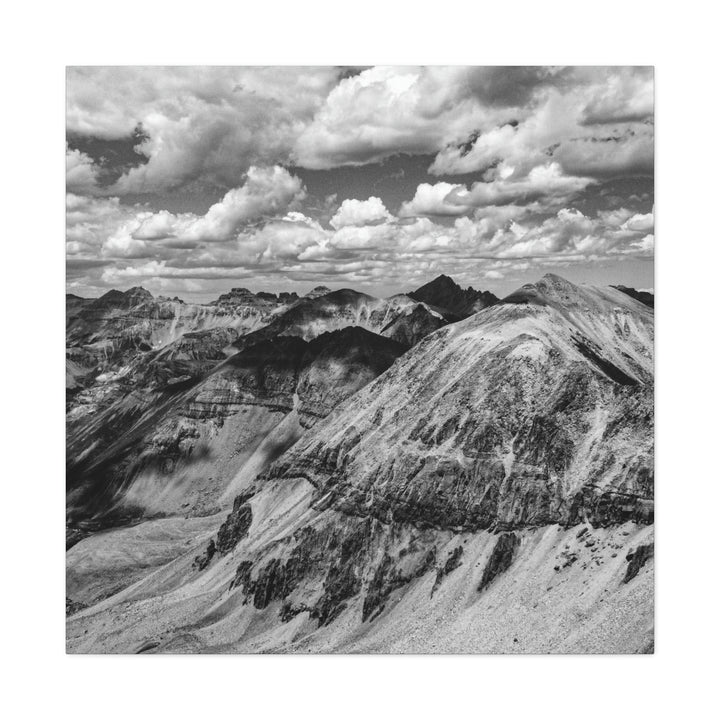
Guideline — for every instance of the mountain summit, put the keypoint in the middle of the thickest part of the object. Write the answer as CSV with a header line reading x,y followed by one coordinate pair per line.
x,y
443,292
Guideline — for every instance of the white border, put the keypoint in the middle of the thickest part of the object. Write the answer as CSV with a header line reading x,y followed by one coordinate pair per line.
x,y
40,40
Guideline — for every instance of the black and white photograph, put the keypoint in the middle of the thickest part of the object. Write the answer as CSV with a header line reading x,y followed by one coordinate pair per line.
x,y
360,359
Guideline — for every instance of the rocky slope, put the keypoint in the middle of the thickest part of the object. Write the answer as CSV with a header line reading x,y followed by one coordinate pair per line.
x,y
491,490
189,445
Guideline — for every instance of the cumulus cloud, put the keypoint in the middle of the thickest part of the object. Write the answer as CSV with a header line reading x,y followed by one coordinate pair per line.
x,y
594,123
209,125
546,182
437,199
540,156
200,124
81,174
266,191
384,111
626,96
106,227
640,223
543,181
360,212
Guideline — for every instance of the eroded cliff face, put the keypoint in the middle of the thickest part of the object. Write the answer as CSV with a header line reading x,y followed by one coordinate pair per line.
x,y
491,489
189,449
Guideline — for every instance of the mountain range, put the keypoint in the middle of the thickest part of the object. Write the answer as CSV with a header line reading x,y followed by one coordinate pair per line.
x,y
438,471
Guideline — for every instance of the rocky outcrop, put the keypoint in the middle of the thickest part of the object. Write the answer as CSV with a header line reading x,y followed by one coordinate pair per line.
x,y
452,563
636,560
500,559
243,296
236,527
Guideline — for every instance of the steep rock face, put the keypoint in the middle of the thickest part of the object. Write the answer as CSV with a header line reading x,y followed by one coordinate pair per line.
x,y
184,452
501,420
129,354
500,559
410,328
637,559
300,579
444,292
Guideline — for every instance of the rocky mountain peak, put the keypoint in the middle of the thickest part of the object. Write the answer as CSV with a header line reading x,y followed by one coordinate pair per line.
x,y
445,293
318,291
123,300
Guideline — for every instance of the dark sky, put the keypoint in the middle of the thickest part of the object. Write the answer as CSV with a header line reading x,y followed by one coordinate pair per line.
x,y
189,181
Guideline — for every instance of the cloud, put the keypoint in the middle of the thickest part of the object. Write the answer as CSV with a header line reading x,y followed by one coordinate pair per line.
x,y
384,111
293,247
89,221
539,144
593,123
265,192
106,228
640,223
81,174
543,181
437,199
360,212
625,96
296,249
207,126
203,125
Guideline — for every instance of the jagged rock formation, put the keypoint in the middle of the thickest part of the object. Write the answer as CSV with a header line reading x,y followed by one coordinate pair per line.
x,y
443,292
243,296
435,504
501,558
636,560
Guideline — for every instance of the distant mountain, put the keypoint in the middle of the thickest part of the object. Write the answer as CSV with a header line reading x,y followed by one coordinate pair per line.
x,y
73,306
645,297
243,296
318,291
443,292
317,313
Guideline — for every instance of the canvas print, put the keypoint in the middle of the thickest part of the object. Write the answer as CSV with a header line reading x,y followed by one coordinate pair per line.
x,y
359,360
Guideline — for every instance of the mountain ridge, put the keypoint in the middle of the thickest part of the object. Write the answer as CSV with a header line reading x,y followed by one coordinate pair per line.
x,y
499,460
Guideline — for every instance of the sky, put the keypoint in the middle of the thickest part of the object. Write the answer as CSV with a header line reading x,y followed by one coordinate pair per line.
x,y
191,180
